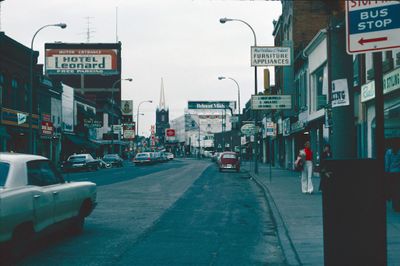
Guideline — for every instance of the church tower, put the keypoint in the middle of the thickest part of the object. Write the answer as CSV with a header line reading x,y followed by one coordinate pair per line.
x,y
162,117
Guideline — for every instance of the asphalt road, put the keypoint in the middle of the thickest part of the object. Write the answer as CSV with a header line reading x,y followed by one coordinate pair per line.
x,y
179,213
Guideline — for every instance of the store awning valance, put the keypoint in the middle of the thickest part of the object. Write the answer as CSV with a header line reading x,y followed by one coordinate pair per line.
x,y
80,141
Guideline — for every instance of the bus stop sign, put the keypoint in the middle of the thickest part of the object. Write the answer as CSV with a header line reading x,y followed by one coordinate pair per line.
x,y
372,25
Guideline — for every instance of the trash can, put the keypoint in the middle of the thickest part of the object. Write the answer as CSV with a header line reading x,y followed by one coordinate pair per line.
x,y
354,213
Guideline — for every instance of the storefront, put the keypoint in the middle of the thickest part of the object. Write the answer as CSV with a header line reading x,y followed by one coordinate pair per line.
x,y
17,130
391,90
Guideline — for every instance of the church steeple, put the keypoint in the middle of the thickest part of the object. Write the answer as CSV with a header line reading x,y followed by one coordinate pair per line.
x,y
162,105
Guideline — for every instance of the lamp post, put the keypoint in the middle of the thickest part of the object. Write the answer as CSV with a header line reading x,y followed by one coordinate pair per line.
x,y
137,116
112,110
222,21
30,140
238,89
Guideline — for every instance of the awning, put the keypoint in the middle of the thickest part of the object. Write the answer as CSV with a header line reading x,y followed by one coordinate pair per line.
x,y
108,142
3,133
80,141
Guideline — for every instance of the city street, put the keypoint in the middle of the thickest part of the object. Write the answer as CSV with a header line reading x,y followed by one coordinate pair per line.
x,y
178,213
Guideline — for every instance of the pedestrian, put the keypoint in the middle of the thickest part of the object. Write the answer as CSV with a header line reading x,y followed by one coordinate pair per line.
x,y
392,169
323,173
306,156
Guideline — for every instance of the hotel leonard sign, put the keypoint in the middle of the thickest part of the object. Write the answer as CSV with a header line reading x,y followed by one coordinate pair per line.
x,y
81,61
391,82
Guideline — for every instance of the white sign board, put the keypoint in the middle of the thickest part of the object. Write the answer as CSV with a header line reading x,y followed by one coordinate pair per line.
x,y
248,129
271,129
340,93
391,82
372,25
234,119
265,102
270,56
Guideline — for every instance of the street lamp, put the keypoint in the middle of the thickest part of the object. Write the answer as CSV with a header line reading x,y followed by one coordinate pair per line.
x,y
112,110
223,21
30,144
238,88
137,116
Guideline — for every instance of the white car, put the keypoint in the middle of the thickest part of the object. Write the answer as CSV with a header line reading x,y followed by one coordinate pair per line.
x,y
34,196
169,155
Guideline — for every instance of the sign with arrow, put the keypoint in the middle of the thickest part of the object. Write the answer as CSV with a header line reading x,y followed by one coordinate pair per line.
x,y
372,25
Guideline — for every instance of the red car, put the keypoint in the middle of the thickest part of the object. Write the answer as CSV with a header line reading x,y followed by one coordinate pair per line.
x,y
229,161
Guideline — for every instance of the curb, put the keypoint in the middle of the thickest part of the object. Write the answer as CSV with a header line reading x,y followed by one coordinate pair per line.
x,y
289,250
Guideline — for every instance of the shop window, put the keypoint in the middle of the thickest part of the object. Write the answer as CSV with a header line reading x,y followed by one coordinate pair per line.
x,y
319,89
14,84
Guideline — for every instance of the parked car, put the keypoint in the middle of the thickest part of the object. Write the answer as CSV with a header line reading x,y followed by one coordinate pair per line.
x,y
78,162
229,161
214,156
114,160
170,156
144,158
34,197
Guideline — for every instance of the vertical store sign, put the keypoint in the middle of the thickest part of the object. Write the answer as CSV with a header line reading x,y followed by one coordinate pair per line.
x,y
372,25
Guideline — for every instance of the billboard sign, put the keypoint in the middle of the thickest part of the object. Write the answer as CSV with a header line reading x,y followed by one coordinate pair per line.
x,y
127,107
270,56
249,129
211,105
129,131
372,26
81,61
267,102
170,132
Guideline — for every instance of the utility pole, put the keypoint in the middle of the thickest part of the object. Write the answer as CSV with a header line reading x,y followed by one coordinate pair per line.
x,y
343,133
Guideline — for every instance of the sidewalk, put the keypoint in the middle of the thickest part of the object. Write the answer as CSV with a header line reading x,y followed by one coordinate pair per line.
x,y
299,217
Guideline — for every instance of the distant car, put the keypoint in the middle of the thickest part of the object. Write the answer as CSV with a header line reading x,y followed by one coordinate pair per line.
x,y
214,157
114,160
229,161
143,158
170,156
35,197
78,162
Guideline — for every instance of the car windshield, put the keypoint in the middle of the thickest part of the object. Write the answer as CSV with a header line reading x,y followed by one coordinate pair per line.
x,y
141,155
229,156
110,156
4,168
80,157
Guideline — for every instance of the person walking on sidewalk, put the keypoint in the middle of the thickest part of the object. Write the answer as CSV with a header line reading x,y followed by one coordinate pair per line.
x,y
307,172
326,154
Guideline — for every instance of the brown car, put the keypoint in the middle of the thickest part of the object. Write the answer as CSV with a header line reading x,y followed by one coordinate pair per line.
x,y
229,161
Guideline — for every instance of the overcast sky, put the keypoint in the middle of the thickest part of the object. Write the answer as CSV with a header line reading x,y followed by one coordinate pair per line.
x,y
179,40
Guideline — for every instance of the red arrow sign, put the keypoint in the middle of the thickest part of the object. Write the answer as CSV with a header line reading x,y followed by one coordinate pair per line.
x,y
381,39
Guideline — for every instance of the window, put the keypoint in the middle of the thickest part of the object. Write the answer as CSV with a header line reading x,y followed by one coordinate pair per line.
x,y
1,78
14,84
4,168
42,173
319,89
